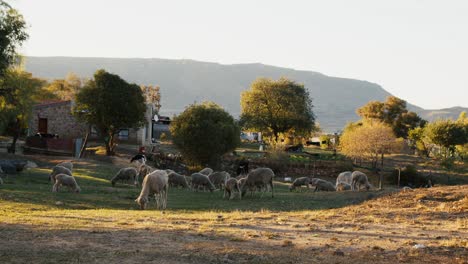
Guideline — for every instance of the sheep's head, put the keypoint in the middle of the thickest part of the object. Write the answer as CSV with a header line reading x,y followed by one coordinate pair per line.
x,y
77,189
291,188
142,202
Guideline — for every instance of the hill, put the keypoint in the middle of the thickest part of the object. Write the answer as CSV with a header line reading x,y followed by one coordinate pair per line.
x,y
184,82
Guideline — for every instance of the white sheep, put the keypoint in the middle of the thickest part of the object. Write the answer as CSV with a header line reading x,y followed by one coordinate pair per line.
x,y
230,186
201,180
299,182
156,182
359,179
58,170
344,177
65,180
206,171
219,178
322,185
126,174
259,178
176,180
342,186
66,164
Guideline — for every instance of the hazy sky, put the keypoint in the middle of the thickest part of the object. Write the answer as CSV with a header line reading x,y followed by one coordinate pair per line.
x,y
415,49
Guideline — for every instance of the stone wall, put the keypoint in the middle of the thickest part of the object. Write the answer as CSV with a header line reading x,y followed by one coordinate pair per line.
x,y
60,120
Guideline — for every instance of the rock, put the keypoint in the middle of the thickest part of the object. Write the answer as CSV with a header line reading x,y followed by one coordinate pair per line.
x,y
419,246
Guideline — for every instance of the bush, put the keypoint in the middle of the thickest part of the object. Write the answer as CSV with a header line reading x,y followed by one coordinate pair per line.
x,y
204,132
163,137
409,177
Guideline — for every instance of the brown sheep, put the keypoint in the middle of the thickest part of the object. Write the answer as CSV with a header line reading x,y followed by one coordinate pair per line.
x,y
230,186
322,185
342,186
299,182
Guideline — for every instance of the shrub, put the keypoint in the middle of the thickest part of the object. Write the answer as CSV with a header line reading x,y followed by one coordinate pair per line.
x,y
409,177
204,132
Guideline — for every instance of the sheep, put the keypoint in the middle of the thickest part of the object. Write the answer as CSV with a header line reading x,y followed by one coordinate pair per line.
x,y
201,180
359,179
176,180
144,170
219,178
344,177
188,179
138,159
126,174
58,170
230,186
406,189
62,179
156,182
260,177
66,164
299,182
206,171
322,185
342,186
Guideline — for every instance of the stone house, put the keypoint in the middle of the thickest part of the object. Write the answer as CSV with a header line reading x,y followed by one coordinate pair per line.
x,y
56,118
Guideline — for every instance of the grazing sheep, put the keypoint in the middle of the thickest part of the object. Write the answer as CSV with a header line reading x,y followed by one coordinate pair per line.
x,y
206,171
359,179
344,177
156,182
176,180
342,186
219,178
322,185
65,180
66,164
230,186
299,182
58,170
260,178
144,170
126,174
201,180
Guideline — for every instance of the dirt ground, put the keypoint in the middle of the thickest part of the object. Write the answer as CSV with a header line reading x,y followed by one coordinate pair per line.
x,y
424,225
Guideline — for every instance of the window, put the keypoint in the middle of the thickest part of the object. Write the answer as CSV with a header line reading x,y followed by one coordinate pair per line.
x,y
123,134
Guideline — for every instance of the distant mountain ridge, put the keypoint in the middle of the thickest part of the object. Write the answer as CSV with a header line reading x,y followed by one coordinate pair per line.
x,y
184,82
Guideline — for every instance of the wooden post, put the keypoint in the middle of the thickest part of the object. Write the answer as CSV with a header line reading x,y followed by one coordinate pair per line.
x,y
84,144
399,174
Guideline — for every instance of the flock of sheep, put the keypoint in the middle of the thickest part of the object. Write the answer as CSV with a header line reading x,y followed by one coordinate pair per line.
x,y
157,182
345,181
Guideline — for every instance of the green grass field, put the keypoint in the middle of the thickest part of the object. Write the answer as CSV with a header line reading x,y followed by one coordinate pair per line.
x,y
32,187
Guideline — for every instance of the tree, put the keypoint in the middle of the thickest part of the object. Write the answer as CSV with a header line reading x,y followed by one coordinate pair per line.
x,y
392,112
418,141
275,107
16,106
110,103
447,134
204,132
370,141
65,89
12,35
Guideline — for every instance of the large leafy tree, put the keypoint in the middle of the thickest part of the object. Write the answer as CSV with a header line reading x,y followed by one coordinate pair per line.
x,y
275,107
447,134
110,103
65,89
12,35
392,112
15,107
204,132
